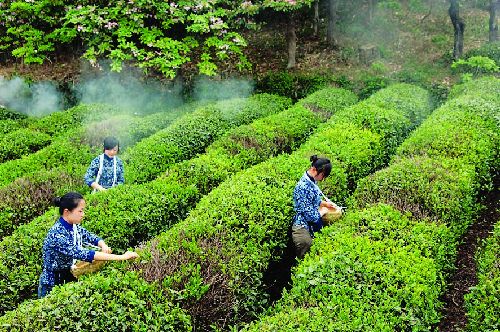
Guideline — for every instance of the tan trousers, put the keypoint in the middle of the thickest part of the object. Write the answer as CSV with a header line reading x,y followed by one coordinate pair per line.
x,y
302,240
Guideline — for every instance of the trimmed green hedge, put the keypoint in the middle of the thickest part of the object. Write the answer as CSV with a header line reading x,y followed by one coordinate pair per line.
x,y
352,279
140,309
378,269
40,132
124,215
483,301
486,87
192,134
65,149
30,196
79,146
8,114
237,241
217,257
22,142
9,125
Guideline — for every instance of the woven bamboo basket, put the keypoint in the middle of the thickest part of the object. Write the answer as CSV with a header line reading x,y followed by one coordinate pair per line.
x,y
332,215
82,267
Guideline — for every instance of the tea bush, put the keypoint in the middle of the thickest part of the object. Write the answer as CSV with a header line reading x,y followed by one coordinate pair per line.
x,y
143,309
63,149
30,195
125,215
79,145
9,125
486,87
379,269
223,249
490,50
6,114
296,86
483,300
21,142
193,133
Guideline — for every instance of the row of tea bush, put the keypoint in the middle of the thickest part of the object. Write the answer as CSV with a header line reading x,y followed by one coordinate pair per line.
x,y
384,266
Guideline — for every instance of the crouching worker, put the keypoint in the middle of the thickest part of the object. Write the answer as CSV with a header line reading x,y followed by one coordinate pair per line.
x,y
309,206
106,170
63,245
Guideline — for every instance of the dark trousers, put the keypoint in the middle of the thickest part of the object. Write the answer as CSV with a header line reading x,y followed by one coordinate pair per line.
x,y
302,240
60,277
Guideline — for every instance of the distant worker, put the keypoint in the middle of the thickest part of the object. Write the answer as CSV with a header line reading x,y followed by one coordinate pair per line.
x,y
64,243
106,170
309,206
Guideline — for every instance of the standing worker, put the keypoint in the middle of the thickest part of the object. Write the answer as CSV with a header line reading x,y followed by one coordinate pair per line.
x,y
106,170
63,245
309,206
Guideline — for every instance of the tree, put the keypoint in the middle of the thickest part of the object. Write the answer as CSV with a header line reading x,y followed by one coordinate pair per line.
x,y
493,35
458,27
316,18
289,7
332,20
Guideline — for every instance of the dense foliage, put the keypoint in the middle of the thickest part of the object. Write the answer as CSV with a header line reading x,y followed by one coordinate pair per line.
x,y
207,262
483,301
384,266
126,213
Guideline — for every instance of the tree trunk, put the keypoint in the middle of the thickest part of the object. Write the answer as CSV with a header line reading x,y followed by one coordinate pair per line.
x,y
332,19
371,10
494,5
458,27
316,18
291,40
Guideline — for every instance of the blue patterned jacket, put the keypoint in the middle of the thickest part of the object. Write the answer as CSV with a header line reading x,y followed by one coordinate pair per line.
x,y
59,249
106,179
306,201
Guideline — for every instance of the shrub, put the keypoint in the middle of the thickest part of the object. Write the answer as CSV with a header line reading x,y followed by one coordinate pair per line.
x,y
21,142
30,196
9,125
143,309
78,146
475,66
6,114
125,215
191,134
239,229
379,269
361,274
483,300
484,87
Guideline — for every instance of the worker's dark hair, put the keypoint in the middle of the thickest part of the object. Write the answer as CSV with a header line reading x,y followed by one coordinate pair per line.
x,y
110,142
67,201
322,165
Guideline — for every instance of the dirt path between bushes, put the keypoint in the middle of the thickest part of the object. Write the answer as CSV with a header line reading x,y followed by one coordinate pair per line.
x,y
454,314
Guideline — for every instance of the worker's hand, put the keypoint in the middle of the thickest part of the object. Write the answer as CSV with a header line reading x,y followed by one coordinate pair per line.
x,y
101,188
323,210
106,249
130,255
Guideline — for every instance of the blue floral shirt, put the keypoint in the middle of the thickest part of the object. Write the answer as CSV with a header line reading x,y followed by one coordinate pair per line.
x,y
59,249
106,179
306,201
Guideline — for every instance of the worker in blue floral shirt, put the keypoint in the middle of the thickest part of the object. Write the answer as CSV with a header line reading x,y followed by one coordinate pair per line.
x,y
309,206
64,245
106,170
